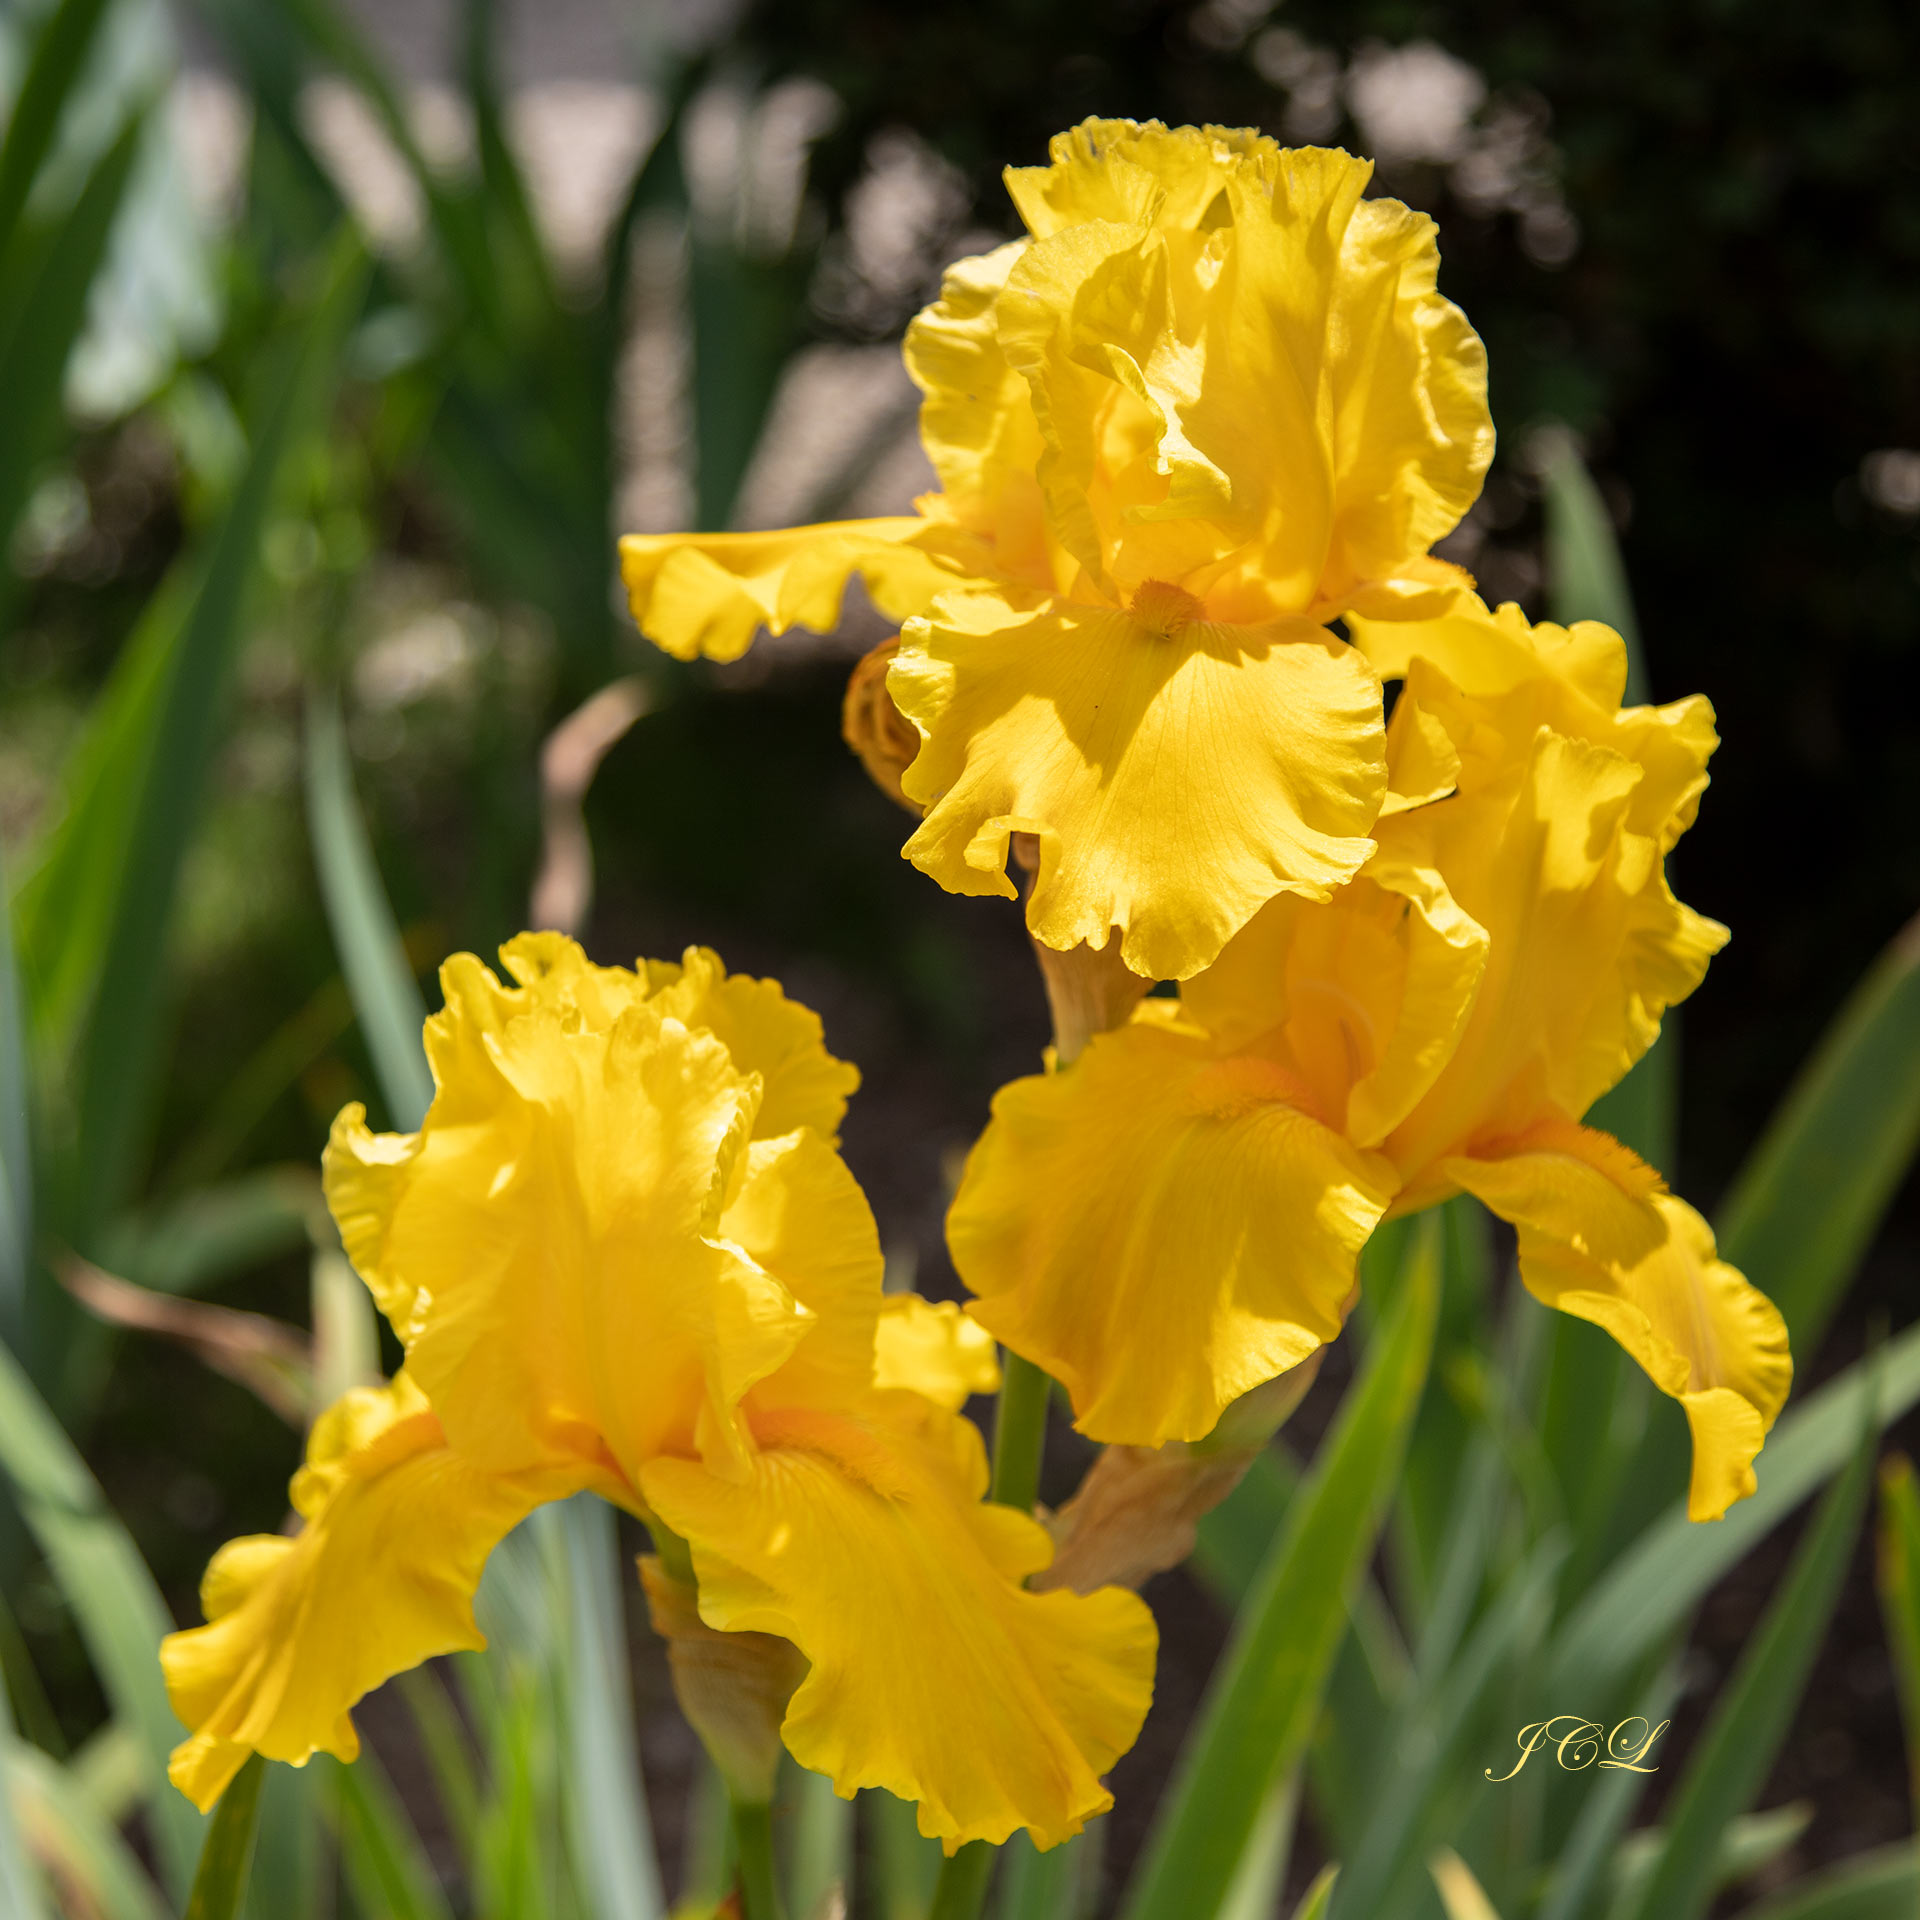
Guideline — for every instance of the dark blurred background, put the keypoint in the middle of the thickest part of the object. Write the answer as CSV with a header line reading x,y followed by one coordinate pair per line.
x,y
1689,230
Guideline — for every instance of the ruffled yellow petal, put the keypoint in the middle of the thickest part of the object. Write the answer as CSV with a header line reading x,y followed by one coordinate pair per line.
x,y
802,1084
1129,172
1176,779
932,1673
800,1217
558,1232
380,1578
931,1348
1586,944
366,1173
551,969
1481,684
709,593
1486,653
977,421
1161,1229
1601,1238
1243,376
1412,435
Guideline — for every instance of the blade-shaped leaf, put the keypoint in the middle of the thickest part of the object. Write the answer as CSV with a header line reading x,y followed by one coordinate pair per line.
x,y
607,1804
1265,1696
1586,578
169,733
1881,1885
819,1850
1579,1873
19,1882
90,1861
1899,1581
448,1745
1813,1192
287,1881
16,1161
38,327
1443,1715
1647,1593
385,994
1747,1846
1235,1538
1424,1532
1313,1903
58,55
386,1866
193,1243
1369,1672
905,1862
112,1596
1460,1893
1733,1755
1255,1892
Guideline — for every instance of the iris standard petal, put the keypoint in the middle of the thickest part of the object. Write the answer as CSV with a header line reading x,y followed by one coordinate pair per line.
x,y
1412,436
801,1083
1176,780
366,1173
799,1216
977,423
559,1235
381,1577
1600,1237
931,1348
1240,365
1161,1229
932,1673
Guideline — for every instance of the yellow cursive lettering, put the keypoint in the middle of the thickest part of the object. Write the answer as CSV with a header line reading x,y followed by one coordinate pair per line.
x,y
1628,1761
1579,1746
1527,1738
1581,1736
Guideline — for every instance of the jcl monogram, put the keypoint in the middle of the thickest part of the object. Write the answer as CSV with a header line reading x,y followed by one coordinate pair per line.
x,y
1580,1746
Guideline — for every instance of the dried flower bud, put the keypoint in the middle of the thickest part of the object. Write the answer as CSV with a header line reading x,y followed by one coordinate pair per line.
x,y
733,1687
875,728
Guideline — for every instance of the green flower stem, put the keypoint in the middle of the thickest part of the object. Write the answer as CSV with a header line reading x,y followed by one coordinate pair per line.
x,y
753,1833
962,1885
226,1859
1019,1433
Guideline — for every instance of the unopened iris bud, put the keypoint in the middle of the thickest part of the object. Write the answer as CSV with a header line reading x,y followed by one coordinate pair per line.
x,y
876,729
1137,1510
733,1687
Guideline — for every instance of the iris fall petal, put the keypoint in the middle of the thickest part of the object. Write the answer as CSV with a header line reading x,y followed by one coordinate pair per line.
x,y
932,1673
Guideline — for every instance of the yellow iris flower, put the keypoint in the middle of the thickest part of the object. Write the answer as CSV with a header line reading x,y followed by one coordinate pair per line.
x,y
622,1254
1209,402
1175,1217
